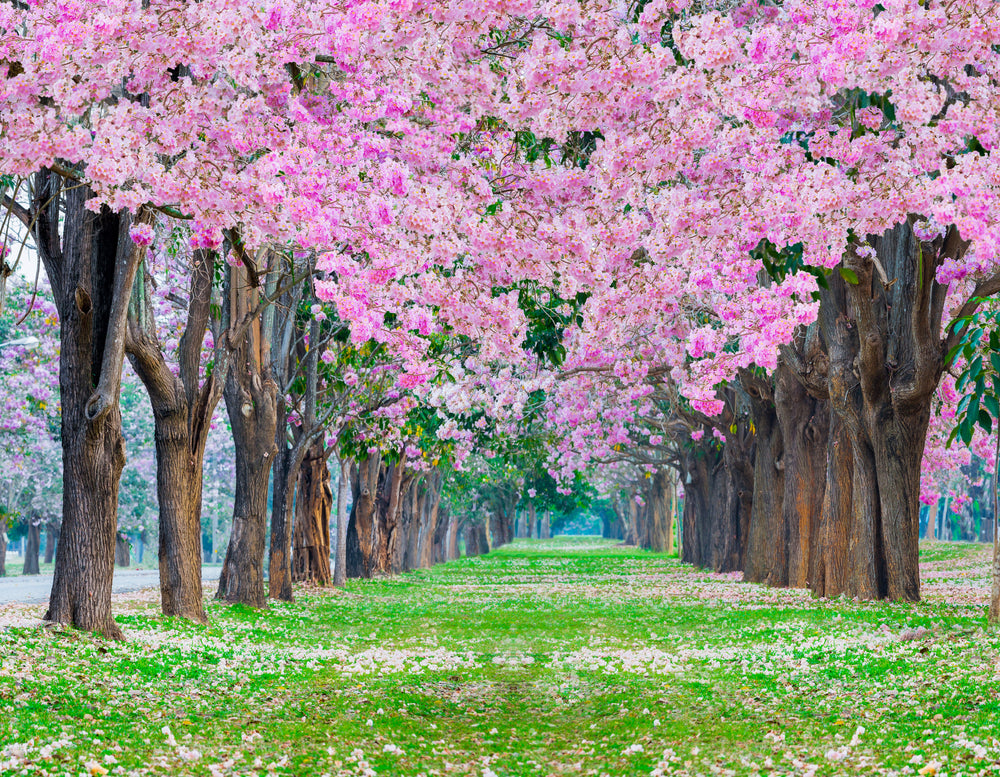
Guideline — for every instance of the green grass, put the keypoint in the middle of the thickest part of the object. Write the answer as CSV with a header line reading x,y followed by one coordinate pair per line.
x,y
574,656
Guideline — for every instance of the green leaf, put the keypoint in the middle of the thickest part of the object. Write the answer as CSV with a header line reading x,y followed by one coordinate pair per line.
x,y
985,420
965,429
849,275
992,405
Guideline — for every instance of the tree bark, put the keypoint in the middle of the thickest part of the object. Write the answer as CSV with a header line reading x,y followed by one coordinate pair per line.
x,y
884,364
32,546
433,530
373,531
546,533
91,267
805,429
51,539
123,554
311,559
344,483
251,403
183,406
279,582
767,545
3,545
718,500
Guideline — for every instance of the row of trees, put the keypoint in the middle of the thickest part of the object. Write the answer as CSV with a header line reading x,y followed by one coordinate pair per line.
x,y
722,239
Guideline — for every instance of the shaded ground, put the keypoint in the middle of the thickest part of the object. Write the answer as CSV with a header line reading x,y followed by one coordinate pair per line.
x,y
561,657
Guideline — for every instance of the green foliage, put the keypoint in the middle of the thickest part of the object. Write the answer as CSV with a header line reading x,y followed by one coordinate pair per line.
x,y
781,262
979,381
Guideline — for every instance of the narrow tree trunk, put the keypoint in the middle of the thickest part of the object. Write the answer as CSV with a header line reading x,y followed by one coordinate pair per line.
x,y
182,407
546,525
340,567
279,567
123,554
253,417
313,502
451,548
32,546
51,538
251,403
993,616
434,530
3,545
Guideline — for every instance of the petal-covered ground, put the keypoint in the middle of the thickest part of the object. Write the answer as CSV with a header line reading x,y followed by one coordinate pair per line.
x,y
574,656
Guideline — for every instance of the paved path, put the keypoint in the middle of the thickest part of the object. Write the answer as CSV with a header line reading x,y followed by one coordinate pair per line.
x,y
31,589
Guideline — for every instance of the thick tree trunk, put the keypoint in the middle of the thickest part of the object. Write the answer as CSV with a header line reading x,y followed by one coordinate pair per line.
x,y
805,429
179,489
32,546
91,270
313,503
546,533
253,417
718,500
766,558
362,529
655,517
885,358
374,531
477,542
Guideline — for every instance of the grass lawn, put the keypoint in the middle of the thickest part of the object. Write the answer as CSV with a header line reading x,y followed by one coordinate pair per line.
x,y
571,656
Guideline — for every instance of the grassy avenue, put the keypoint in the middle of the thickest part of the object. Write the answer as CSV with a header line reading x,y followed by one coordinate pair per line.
x,y
570,656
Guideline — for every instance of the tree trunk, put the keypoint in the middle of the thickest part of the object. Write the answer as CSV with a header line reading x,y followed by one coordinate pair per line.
x,y
655,517
251,403
546,525
343,484
51,538
279,568
434,530
32,546
91,268
451,550
374,531
993,614
3,545
805,430
718,500
182,407
766,558
885,361
417,524
123,553
313,504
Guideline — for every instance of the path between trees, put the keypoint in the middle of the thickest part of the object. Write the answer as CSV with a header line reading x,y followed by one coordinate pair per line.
x,y
564,657
30,589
